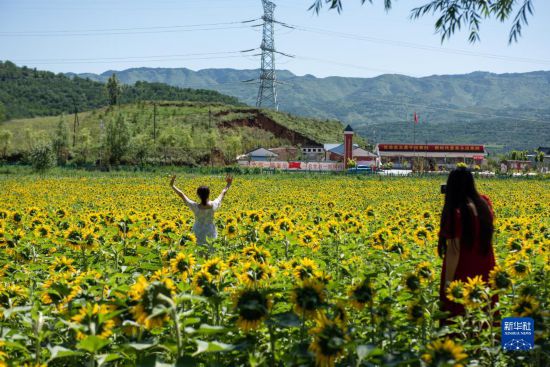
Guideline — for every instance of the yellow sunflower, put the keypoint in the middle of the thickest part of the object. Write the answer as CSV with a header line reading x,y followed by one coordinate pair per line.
x,y
183,265
329,341
526,306
94,320
499,279
361,294
252,307
475,292
305,269
455,291
149,298
308,298
444,353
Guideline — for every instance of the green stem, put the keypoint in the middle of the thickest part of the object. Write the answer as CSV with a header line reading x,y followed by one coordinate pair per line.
x,y
177,330
272,345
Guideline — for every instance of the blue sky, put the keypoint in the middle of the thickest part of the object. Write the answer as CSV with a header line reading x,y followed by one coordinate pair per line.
x,y
363,41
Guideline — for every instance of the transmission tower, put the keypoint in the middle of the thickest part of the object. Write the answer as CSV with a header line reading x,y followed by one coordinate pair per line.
x,y
267,95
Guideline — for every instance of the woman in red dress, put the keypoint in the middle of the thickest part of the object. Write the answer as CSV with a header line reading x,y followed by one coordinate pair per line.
x,y
465,237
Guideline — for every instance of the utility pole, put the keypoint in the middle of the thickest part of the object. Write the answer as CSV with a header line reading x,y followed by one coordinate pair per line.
x,y
209,117
154,123
267,95
75,123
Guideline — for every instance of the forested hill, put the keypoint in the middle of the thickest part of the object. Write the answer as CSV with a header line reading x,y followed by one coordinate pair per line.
x,y
507,110
28,92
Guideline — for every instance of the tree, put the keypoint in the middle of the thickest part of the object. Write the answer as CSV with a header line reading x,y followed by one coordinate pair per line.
x,y
3,115
5,140
83,147
456,14
42,157
117,138
113,88
142,146
60,142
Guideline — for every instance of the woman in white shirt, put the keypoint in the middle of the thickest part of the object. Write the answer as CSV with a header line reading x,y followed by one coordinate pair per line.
x,y
204,226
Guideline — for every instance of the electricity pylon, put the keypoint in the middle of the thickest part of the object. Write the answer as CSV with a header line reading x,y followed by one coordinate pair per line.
x,y
267,94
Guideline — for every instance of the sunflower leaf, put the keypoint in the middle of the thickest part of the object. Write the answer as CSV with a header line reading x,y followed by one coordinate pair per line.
x,y
60,352
92,344
208,347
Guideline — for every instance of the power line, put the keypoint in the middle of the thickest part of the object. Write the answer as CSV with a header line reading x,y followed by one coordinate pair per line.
x,y
137,58
79,34
127,29
385,41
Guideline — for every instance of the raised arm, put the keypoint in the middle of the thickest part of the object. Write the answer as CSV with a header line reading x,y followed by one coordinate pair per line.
x,y
179,192
229,181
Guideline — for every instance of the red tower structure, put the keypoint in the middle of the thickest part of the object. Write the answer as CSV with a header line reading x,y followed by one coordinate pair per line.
x,y
348,145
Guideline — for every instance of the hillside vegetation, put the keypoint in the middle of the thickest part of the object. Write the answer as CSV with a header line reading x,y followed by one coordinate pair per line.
x,y
189,133
28,92
507,110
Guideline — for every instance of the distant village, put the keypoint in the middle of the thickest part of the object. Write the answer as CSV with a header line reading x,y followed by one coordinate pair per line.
x,y
344,155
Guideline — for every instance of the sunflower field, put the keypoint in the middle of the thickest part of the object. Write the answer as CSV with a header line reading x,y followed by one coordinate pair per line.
x,y
103,270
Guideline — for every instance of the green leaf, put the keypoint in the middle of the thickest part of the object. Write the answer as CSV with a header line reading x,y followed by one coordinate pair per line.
x,y
205,329
60,352
190,320
209,347
141,346
92,344
105,358
13,310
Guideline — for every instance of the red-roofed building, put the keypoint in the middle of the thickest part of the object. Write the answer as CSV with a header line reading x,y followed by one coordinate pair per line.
x,y
430,156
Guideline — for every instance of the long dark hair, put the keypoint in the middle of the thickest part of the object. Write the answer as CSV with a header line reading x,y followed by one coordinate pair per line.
x,y
460,189
204,193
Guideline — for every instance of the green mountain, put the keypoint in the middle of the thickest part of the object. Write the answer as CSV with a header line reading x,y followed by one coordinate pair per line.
x,y
28,92
505,111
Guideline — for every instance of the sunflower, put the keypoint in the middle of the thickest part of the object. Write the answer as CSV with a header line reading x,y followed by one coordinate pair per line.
x,y
526,306
305,270
444,353
62,264
253,273
515,244
43,231
94,320
231,230
329,341
308,239
455,291
518,265
147,296
256,253
204,285
187,239
499,279
361,294
252,307
332,227
416,312
214,267
412,282
284,224
73,235
183,265
308,298
422,236
475,293
253,216
425,271
10,295
268,229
